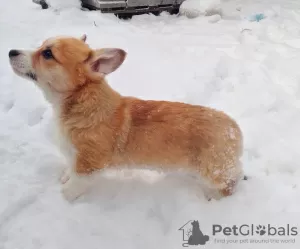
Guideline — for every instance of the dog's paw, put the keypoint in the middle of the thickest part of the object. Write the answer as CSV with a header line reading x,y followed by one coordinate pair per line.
x,y
65,176
74,188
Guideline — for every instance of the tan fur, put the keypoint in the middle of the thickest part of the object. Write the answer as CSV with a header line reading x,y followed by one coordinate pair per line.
x,y
109,130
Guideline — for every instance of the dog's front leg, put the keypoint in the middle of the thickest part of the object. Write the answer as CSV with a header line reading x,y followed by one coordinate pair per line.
x,y
79,177
65,176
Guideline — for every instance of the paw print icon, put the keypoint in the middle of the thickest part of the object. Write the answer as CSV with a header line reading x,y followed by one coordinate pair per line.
x,y
261,230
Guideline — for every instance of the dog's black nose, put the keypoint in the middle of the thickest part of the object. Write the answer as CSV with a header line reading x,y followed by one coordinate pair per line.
x,y
13,53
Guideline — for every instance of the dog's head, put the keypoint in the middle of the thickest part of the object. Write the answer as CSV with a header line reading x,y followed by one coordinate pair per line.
x,y
62,64
195,224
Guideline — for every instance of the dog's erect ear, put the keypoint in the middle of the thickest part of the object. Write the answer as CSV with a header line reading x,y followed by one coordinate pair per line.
x,y
83,37
107,60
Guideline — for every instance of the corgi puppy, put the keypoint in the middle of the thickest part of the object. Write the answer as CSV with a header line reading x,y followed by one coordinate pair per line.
x,y
100,128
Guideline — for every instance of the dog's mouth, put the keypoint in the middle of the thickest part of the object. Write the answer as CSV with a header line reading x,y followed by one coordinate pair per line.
x,y
31,76
28,74
17,71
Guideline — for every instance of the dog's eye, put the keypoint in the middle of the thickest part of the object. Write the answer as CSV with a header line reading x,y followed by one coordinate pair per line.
x,y
47,54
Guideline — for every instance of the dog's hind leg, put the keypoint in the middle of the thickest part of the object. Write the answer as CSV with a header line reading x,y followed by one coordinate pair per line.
x,y
222,178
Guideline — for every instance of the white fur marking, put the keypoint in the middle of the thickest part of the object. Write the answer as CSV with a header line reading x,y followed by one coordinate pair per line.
x,y
75,186
65,175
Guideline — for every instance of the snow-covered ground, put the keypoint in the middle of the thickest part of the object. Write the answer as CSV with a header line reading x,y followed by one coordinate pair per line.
x,y
248,69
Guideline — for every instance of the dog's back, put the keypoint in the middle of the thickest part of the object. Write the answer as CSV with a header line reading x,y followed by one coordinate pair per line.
x,y
176,134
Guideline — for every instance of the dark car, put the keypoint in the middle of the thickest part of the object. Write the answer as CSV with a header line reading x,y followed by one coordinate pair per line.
x,y
127,8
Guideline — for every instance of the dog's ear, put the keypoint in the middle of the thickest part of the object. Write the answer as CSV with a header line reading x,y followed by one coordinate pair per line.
x,y
83,37
107,60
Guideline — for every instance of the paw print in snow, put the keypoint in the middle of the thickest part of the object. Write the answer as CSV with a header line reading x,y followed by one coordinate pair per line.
x,y
261,230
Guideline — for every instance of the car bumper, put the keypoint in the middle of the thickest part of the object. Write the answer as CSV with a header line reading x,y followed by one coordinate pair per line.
x,y
132,6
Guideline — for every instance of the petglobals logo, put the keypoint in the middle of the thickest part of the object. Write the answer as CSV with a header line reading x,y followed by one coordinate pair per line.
x,y
193,234
254,230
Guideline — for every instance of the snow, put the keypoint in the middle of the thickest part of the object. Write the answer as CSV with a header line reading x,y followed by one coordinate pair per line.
x,y
250,70
65,4
194,8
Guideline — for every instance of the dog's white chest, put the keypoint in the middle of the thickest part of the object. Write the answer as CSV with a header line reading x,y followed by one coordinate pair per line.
x,y
64,144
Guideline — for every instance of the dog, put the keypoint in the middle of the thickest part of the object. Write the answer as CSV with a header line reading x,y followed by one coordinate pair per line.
x,y
100,128
197,237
